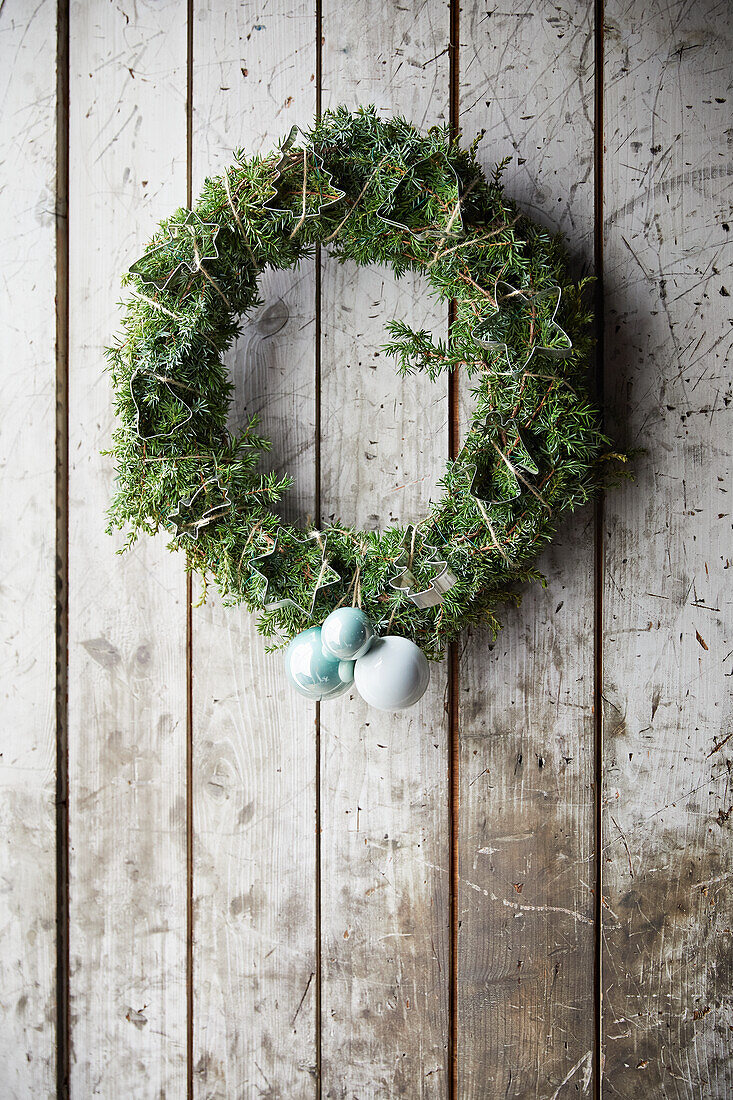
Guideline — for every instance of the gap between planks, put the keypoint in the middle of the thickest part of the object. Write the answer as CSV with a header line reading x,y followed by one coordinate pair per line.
x,y
598,534
454,413
318,992
189,628
62,550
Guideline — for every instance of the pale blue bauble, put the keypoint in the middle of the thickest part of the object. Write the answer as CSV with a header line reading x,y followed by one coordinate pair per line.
x,y
393,674
311,671
346,671
347,633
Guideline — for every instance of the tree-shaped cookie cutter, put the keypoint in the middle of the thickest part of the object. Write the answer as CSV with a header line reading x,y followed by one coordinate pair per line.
x,y
286,161
454,225
520,463
327,575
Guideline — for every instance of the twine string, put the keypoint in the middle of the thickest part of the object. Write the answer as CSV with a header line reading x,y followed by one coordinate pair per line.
x,y
205,273
300,221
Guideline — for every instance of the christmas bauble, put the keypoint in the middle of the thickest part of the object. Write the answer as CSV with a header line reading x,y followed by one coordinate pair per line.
x,y
393,674
347,633
346,671
313,672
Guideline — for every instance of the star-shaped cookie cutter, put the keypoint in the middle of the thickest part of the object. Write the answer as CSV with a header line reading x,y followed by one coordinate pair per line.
x,y
507,295
454,225
184,231
191,527
327,575
406,581
168,383
286,161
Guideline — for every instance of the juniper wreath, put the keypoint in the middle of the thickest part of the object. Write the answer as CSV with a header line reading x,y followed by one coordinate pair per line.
x,y
375,191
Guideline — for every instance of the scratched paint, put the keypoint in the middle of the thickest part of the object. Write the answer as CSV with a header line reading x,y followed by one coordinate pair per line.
x,y
384,799
527,932
667,649
27,591
526,826
254,780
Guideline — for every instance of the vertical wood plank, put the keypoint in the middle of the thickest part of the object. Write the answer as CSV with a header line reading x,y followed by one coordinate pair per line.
x,y
254,738
384,778
127,656
526,825
667,863
27,593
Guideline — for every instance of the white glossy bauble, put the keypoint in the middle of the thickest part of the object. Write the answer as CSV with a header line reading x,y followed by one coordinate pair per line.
x,y
393,674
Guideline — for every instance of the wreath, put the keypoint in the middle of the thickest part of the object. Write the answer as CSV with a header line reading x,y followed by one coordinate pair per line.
x,y
378,191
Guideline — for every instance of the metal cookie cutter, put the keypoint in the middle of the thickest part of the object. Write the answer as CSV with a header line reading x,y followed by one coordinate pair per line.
x,y
453,226
327,575
508,297
168,383
186,524
521,460
405,581
287,161
198,236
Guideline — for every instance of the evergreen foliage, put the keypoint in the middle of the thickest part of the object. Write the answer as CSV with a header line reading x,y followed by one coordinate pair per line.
x,y
374,191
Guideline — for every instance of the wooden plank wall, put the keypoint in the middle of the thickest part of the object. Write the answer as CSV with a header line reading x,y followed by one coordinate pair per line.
x,y
667,853
526,893
384,778
254,774
127,620
271,899
28,532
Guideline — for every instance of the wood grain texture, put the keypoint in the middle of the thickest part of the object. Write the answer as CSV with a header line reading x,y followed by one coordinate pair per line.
x,y
127,670
27,543
254,738
526,809
667,866
526,828
384,778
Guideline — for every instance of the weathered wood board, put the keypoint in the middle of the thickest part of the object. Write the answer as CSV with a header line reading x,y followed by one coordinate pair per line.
x,y
667,855
384,778
312,849
526,807
27,541
127,619
254,793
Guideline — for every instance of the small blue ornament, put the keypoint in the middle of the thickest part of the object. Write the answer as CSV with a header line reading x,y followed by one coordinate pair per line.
x,y
393,675
346,671
312,672
347,633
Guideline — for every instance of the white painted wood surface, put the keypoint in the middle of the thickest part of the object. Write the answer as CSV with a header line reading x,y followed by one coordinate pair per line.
x,y
127,621
667,855
526,820
254,793
27,546
384,778
527,1001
